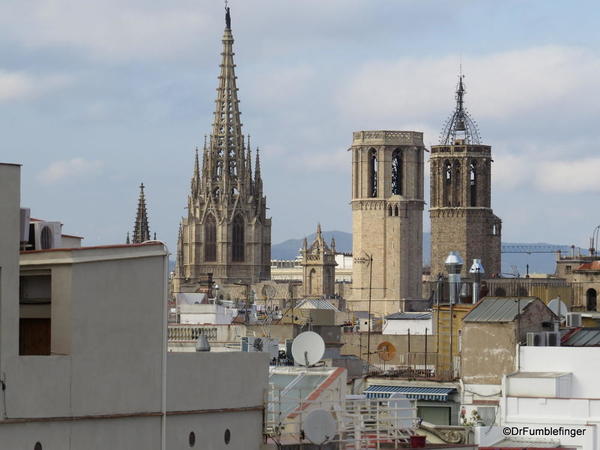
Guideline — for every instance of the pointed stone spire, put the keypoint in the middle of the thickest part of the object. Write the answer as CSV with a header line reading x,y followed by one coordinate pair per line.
x,y
226,141
141,230
257,177
319,231
305,244
333,244
196,176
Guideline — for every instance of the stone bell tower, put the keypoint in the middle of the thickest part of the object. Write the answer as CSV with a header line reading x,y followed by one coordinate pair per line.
x,y
318,267
387,219
460,208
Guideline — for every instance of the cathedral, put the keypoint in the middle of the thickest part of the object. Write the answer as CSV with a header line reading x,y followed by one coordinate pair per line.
x,y
226,232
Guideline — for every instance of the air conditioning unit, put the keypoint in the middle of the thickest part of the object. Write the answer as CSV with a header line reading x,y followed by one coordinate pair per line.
x,y
573,320
46,235
25,216
260,344
536,339
552,338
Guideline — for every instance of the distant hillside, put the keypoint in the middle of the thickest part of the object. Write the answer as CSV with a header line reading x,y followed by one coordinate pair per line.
x,y
289,249
511,262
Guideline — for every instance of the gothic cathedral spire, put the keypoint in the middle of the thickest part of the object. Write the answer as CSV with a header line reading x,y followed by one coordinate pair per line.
x,y
141,230
226,231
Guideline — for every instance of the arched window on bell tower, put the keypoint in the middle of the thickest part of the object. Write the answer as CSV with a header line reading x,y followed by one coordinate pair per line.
x,y
457,191
447,183
238,239
397,173
210,238
373,173
473,183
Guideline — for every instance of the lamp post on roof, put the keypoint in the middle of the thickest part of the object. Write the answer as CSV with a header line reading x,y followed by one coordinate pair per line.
x,y
454,264
476,270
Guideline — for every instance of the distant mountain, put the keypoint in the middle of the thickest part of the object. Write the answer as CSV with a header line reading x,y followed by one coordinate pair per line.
x,y
540,256
289,249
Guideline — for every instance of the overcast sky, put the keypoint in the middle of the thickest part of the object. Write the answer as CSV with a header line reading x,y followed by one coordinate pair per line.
x,y
97,96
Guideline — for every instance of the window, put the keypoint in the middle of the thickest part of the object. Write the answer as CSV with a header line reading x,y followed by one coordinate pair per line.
x,y
591,299
447,183
397,173
46,238
238,239
473,182
210,238
35,303
373,173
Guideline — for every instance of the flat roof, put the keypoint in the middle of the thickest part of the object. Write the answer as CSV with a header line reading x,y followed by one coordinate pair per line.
x,y
97,247
538,374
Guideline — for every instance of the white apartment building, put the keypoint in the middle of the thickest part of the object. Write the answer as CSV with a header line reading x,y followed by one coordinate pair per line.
x,y
83,353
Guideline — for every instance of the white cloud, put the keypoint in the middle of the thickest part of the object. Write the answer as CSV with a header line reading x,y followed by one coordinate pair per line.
x,y
328,161
70,170
108,30
544,80
511,171
20,85
569,177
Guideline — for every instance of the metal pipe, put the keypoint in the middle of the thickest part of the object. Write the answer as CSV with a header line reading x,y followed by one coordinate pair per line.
x,y
369,314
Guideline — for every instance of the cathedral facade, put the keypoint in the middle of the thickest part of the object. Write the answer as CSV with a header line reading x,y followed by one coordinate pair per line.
x,y
460,207
226,231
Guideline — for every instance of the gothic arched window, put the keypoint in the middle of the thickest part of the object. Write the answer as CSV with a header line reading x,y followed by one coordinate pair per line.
x,y
210,238
372,173
473,182
397,173
447,183
238,239
456,201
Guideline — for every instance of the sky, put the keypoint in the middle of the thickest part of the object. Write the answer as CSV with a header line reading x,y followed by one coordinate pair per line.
x,y
99,96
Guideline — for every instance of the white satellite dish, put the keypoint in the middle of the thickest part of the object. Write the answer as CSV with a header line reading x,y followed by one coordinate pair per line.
x,y
319,426
558,307
308,348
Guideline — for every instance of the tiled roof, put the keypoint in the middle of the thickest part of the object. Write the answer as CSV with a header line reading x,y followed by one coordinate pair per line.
x,y
583,337
311,303
499,309
593,265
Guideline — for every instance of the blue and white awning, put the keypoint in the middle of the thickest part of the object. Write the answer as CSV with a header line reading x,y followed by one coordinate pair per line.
x,y
412,392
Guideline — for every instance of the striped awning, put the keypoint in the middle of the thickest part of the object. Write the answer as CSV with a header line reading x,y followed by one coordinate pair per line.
x,y
412,392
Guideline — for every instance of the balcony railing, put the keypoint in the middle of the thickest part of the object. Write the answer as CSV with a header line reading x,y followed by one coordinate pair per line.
x,y
191,333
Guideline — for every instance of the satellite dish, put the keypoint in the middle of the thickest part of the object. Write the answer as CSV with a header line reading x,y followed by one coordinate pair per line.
x,y
386,351
308,348
319,426
558,307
